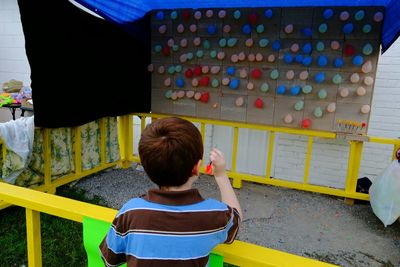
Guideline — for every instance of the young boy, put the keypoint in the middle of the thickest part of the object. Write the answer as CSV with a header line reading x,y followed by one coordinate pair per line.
x,y
173,225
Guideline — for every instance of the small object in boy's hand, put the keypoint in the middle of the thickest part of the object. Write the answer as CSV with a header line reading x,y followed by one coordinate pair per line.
x,y
209,169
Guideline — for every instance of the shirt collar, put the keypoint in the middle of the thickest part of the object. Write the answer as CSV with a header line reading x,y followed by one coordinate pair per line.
x,y
185,197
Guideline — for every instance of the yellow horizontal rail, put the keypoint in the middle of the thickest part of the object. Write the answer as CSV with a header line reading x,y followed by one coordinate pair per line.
x,y
239,253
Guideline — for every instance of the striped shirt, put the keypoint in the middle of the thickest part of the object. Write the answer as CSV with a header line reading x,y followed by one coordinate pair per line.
x,y
169,228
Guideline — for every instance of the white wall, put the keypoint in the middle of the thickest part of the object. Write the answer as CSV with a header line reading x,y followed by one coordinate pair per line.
x,y
329,158
13,61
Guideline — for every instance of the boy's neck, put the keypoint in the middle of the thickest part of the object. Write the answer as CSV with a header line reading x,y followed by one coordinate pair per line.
x,y
186,186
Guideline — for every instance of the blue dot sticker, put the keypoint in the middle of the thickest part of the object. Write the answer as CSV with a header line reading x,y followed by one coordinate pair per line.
x,y
234,84
328,13
160,15
359,15
319,77
212,29
295,90
307,32
348,28
338,62
307,61
268,13
281,90
246,29
358,60
180,82
288,58
299,58
307,48
231,70
276,45
322,61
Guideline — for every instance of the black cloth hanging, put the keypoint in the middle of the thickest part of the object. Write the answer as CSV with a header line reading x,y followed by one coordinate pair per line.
x,y
83,67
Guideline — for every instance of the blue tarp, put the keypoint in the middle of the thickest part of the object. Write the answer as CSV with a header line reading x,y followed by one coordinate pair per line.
x,y
125,11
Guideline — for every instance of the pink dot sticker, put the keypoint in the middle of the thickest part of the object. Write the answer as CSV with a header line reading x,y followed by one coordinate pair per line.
x,y
197,95
368,80
378,17
227,28
197,41
221,55
251,57
303,75
193,28
361,91
344,92
167,82
162,29
294,48
183,58
355,78
189,94
225,81
209,13
243,73
290,75
183,42
195,82
259,57
180,28
288,119
150,67
215,69
242,56
197,15
344,16
335,45
170,42
234,58
222,14
205,69
161,69
289,28
250,86
271,58
249,42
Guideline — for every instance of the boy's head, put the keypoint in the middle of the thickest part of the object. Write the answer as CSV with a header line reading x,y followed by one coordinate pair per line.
x,y
169,149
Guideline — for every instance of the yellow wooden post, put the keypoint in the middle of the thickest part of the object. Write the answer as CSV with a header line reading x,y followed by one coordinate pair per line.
x,y
237,182
78,150
308,160
353,168
33,235
125,143
47,159
270,153
103,139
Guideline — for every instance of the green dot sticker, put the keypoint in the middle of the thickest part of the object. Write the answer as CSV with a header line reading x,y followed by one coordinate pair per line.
x,y
323,28
367,49
199,53
337,79
171,70
367,28
264,87
215,83
222,42
174,14
299,105
318,112
189,55
307,89
263,42
157,48
175,48
320,46
237,14
260,28
168,94
206,44
232,42
178,68
274,74
322,94
213,54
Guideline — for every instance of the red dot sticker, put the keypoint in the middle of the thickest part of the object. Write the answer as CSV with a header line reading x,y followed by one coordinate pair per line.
x,y
205,97
197,71
204,81
166,51
256,73
188,73
259,103
349,50
306,123
253,18
186,15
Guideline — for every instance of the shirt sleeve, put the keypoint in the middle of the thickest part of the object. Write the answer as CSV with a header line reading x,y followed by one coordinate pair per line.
x,y
233,225
113,246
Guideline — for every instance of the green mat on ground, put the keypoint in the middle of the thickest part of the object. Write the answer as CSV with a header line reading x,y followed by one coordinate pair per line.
x,y
95,230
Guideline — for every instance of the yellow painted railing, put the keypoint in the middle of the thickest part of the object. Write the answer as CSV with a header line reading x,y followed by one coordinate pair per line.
x,y
353,165
35,202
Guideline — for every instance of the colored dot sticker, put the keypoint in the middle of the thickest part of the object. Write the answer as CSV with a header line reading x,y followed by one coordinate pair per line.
x,y
237,14
246,28
268,13
174,14
338,62
288,58
367,28
168,94
178,68
322,94
378,17
328,13
358,60
322,61
276,45
281,89
367,49
222,42
294,47
199,53
180,82
303,75
263,42
274,74
295,90
264,87
231,70
289,28
171,70
299,58
337,79
307,48
299,105
234,84
227,28
307,89
213,54
157,48
197,15
307,32
232,42
189,56
307,60
335,45
175,47
319,77
359,15
323,28
348,28
318,112
260,28
320,46
206,44
160,15
215,83
212,29
344,16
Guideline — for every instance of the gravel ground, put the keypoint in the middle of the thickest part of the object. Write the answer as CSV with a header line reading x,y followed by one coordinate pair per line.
x,y
302,223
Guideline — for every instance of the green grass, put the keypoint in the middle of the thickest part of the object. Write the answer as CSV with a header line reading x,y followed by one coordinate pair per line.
x,y
61,239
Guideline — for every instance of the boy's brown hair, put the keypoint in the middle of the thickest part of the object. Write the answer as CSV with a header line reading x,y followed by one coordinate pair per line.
x,y
169,148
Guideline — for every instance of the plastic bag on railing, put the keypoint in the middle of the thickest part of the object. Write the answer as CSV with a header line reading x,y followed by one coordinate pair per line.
x,y
385,194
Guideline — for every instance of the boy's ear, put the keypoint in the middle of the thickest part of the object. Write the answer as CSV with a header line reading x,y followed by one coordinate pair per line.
x,y
196,168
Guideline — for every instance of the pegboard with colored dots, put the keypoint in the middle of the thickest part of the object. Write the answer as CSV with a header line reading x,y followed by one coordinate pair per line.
x,y
311,68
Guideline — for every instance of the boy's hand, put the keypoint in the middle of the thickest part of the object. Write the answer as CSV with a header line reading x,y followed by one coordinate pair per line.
x,y
218,162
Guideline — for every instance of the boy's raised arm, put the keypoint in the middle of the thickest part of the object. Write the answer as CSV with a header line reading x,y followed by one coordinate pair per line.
x,y
228,195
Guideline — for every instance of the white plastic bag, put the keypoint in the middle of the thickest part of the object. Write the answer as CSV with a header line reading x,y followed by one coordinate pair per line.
x,y
385,194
